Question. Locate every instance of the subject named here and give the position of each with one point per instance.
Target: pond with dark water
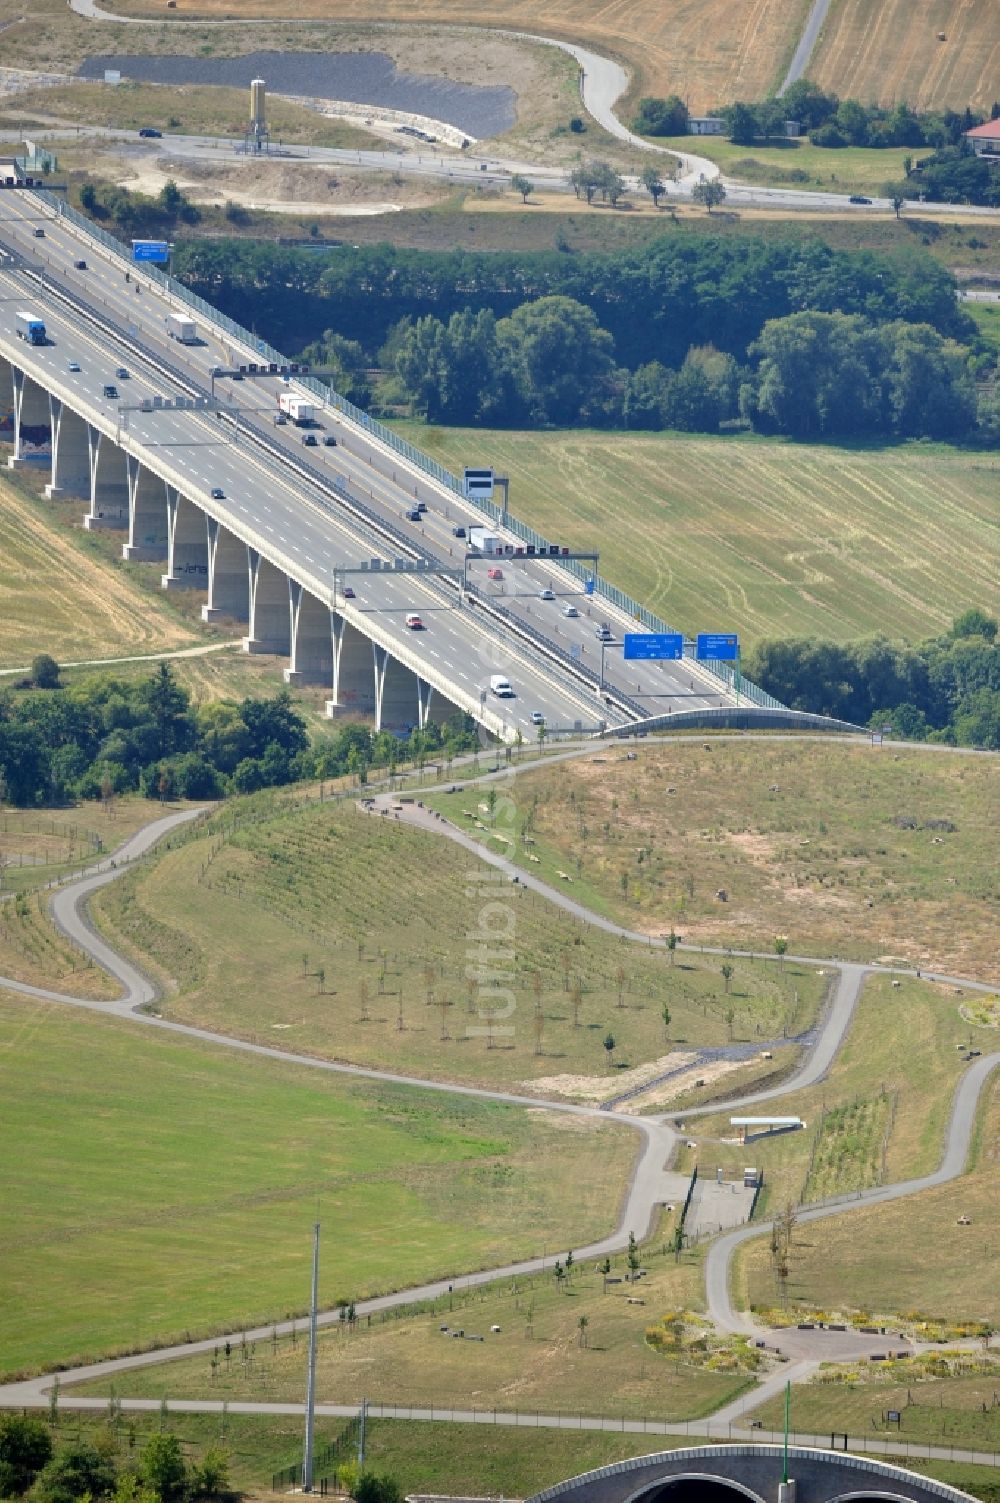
(366, 78)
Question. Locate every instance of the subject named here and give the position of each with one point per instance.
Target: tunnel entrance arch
(697, 1487)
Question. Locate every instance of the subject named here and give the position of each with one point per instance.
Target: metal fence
(407, 451)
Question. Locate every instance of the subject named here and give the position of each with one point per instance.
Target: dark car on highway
(150, 133)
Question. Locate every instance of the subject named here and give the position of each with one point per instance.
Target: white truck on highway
(182, 328)
(30, 327)
(500, 686)
(298, 409)
(487, 542)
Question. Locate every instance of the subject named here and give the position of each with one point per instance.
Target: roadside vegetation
(190, 110)
(194, 1241)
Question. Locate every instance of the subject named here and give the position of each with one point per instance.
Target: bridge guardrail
(401, 446)
(551, 649)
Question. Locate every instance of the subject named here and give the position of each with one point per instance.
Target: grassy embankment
(704, 49)
(429, 1457)
(955, 1411)
(909, 1256)
(62, 595)
(782, 539)
(162, 1187)
(809, 839)
(241, 923)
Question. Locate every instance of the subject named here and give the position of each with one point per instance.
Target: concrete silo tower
(257, 136)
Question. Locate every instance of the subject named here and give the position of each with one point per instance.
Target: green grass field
(536, 1361)
(758, 536)
(162, 1188)
(987, 317)
(850, 169)
(809, 839)
(240, 923)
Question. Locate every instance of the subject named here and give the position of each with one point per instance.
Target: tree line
(655, 301)
(808, 376)
(945, 689)
(951, 174)
(104, 736)
(31, 1465)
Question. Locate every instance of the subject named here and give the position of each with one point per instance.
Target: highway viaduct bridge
(729, 1473)
(214, 492)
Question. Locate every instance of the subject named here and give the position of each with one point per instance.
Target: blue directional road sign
(654, 644)
(588, 587)
(718, 646)
(150, 250)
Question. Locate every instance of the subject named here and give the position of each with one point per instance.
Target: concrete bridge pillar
(270, 613)
(396, 698)
(425, 695)
(228, 576)
(70, 451)
(108, 483)
(312, 638)
(353, 683)
(187, 544)
(6, 399)
(32, 422)
(148, 529)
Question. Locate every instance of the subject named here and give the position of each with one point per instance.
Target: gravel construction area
(367, 78)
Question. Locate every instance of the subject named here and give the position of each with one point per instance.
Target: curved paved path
(646, 1189)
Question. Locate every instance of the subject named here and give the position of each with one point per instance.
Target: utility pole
(362, 1423)
(307, 1460)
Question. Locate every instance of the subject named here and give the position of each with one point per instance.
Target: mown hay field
(58, 596)
(892, 51)
(757, 536)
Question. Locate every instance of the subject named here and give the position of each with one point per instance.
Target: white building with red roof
(984, 139)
